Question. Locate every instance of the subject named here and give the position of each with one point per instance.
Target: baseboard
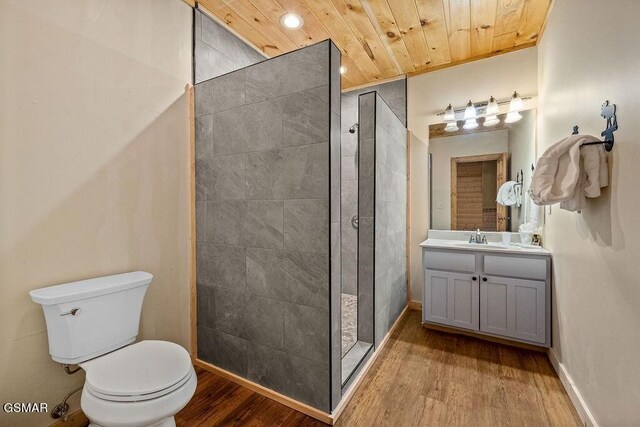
(576, 398)
(75, 419)
(414, 305)
(267, 392)
(365, 369)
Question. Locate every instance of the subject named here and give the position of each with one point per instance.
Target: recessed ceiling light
(291, 21)
(343, 69)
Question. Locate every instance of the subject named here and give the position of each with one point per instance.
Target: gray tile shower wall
(390, 295)
(217, 51)
(382, 214)
(365, 208)
(395, 94)
(265, 221)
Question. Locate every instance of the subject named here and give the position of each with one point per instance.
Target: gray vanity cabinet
(453, 299)
(499, 294)
(513, 308)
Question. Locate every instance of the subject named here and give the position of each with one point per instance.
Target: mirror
(468, 167)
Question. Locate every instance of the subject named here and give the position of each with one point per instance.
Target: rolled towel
(507, 194)
(535, 214)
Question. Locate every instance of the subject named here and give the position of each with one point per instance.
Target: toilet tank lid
(74, 291)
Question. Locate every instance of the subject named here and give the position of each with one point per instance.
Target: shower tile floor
(349, 322)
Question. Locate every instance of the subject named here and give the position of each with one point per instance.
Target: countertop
(463, 245)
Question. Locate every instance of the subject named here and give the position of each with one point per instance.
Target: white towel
(507, 194)
(535, 213)
(567, 173)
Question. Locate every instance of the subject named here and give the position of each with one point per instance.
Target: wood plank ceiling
(382, 39)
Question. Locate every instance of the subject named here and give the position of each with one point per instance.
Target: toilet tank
(89, 318)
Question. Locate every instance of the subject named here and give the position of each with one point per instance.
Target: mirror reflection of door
(475, 181)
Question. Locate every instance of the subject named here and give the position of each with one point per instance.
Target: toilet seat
(143, 371)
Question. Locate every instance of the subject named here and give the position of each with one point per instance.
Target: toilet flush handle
(73, 312)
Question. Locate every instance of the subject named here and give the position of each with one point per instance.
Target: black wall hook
(608, 112)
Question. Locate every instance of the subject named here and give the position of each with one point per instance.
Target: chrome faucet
(478, 238)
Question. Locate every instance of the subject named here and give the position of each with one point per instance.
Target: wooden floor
(220, 402)
(422, 378)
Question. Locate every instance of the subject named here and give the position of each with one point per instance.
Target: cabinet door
(451, 299)
(513, 308)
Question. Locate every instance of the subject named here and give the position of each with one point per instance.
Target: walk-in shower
(277, 226)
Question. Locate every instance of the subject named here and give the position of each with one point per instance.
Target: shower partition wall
(382, 204)
(394, 93)
(268, 223)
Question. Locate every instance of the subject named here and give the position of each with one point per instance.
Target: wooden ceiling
(382, 39)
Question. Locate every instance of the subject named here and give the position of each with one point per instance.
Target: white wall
(589, 53)
(93, 170)
(442, 150)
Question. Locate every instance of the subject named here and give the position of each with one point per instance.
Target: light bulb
(343, 69)
(516, 103)
(470, 124)
(492, 107)
(449, 115)
(491, 121)
(451, 127)
(512, 117)
(291, 21)
(470, 111)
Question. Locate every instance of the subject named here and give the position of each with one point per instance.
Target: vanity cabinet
(453, 299)
(513, 308)
(497, 294)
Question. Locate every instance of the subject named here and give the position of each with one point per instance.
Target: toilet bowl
(144, 384)
(93, 323)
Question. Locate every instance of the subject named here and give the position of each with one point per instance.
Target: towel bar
(608, 113)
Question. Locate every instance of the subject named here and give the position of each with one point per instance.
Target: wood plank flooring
(422, 378)
(432, 378)
(220, 402)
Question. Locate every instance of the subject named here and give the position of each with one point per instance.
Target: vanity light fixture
(515, 106)
(291, 21)
(491, 115)
(343, 69)
(449, 115)
(470, 117)
(451, 127)
(450, 119)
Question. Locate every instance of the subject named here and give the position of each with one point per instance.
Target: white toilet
(91, 323)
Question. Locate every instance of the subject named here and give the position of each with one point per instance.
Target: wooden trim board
(299, 406)
(193, 315)
(453, 330)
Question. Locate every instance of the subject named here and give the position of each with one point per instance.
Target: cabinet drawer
(527, 268)
(464, 262)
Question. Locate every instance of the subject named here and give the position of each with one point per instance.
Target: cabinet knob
(484, 279)
(474, 278)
